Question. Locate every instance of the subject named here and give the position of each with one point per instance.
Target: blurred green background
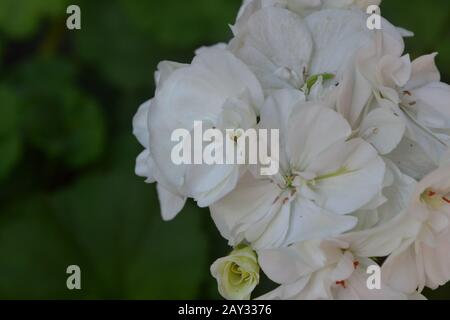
(68, 193)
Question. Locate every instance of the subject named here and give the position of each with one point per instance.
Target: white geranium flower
(323, 177)
(359, 124)
(287, 51)
(171, 200)
(277, 45)
(237, 274)
(423, 259)
(354, 100)
(318, 269)
(218, 89)
(414, 93)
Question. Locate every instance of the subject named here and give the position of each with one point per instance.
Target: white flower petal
(309, 221)
(338, 35)
(433, 104)
(424, 71)
(411, 158)
(145, 166)
(383, 129)
(165, 69)
(140, 124)
(360, 177)
(170, 202)
(275, 43)
(353, 95)
(209, 183)
(251, 198)
(394, 71)
(310, 133)
(195, 93)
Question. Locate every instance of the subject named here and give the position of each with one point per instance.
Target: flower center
(434, 199)
(407, 100)
(235, 135)
(288, 186)
(343, 283)
(289, 181)
(238, 275)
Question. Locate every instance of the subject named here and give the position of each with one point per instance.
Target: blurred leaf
(123, 55)
(9, 104)
(172, 261)
(129, 38)
(20, 18)
(442, 292)
(59, 120)
(105, 225)
(184, 23)
(1, 52)
(429, 20)
(34, 253)
(44, 76)
(10, 141)
(71, 129)
(10, 151)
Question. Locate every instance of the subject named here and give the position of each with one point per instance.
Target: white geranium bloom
(277, 45)
(423, 259)
(287, 51)
(323, 177)
(359, 125)
(218, 89)
(171, 200)
(414, 93)
(317, 269)
(379, 126)
(426, 103)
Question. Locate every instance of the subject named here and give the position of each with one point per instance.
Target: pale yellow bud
(237, 274)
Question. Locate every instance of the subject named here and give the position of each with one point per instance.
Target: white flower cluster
(364, 174)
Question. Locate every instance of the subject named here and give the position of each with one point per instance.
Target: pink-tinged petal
(424, 71)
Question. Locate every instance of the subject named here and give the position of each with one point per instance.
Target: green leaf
(1, 53)
(35, 254)
(21, 18)
(184, 23)
(172, 261)
(10, 151)
(10, 141)
(109, 225)
(429, 20)
(134, 253)
(60, 120)
(125, 42)
(9, 104)
(104, 42)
